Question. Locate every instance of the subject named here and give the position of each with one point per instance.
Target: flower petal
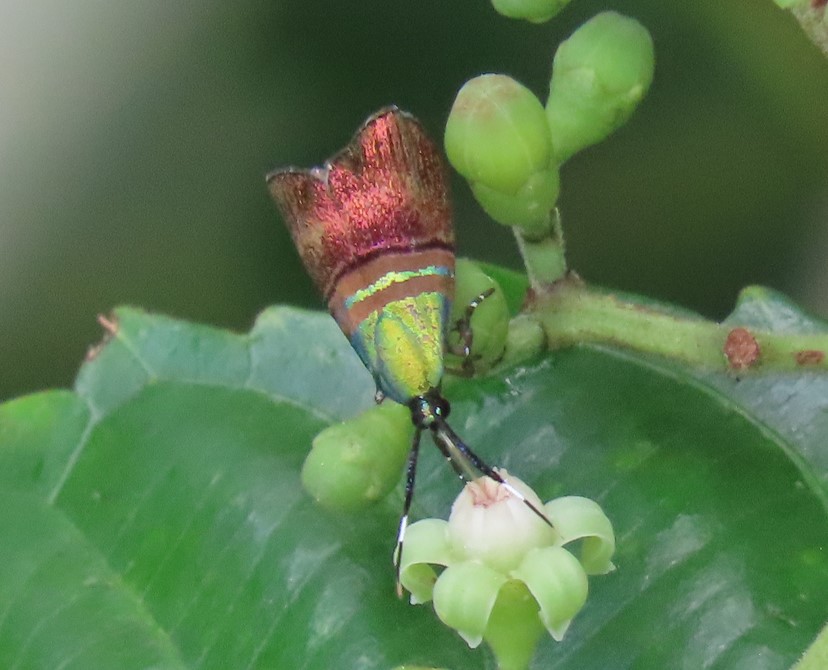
(514, 627)
(559, 584)
(425, 543)
(578, 518)
(464, 596)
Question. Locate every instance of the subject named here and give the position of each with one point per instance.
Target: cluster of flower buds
(509, 146)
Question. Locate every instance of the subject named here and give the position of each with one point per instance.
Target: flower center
(486, 492)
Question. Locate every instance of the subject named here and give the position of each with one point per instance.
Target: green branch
(571, 312)
(544, 255)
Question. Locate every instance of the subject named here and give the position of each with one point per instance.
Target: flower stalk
(544, 255)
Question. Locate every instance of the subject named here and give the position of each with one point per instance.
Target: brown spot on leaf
(816, 4)
(741, 349)
(110, 326)
(108, 323)
(809, 357)
(93, 351)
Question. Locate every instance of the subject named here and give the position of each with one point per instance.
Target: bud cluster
(509, 146)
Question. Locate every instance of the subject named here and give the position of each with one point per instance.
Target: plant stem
(543, 254)
(572, 312)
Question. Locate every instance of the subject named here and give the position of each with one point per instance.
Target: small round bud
(497, 134)
(525, 338)
(356, 463)
(489, 324)
(599, 76)
(536, 11)
(529, 208)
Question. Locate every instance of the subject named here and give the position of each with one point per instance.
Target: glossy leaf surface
(154, 517)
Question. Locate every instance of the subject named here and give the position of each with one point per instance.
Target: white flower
(499, 556)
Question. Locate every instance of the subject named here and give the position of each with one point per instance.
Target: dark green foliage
(155, 517)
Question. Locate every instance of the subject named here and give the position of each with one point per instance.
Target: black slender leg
(464, 329)
(410, 474)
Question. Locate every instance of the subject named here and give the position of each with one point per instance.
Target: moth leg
(464, 329)
(410, 473)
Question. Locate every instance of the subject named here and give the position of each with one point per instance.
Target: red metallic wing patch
(384, 192)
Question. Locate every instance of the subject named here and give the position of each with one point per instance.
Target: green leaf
(793, 405)
(63, 606)
(154, 517)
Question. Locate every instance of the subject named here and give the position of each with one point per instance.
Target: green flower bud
(507, 574)
(358, 462)
(525, 338)
(529, 208)
(598, 78)
(489, 322)
(536, 11)
(497, 134)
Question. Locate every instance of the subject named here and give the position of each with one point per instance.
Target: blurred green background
(134, 139)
